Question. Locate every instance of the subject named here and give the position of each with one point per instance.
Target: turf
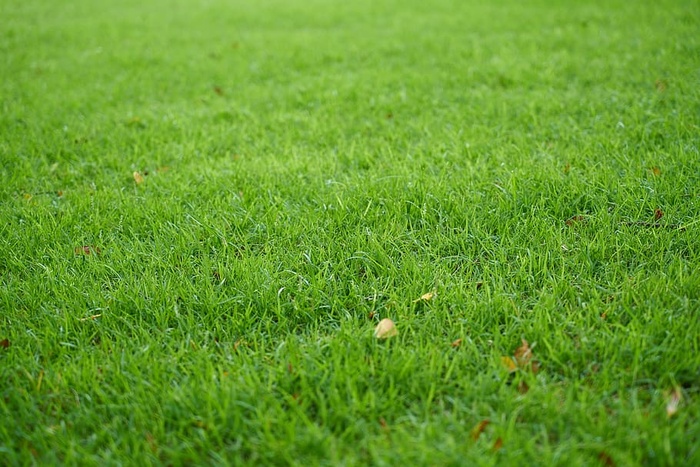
(206, 208)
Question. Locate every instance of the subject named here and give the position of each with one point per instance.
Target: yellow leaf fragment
(509, 364)
(425, 297)
(386, 328)
(138, 178)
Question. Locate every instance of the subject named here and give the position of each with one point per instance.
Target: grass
(311, 167)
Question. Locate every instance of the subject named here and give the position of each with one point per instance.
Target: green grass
(311, 167)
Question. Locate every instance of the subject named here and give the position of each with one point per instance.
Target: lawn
(207, 207)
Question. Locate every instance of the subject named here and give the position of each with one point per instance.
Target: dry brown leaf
(498, 444)
(479, 428)
(661, 85)
(456, 343)
(138, 178)
(522, 359)
(656, 171)
(87, 250)
(523, 354)
(606, 460)
(658, 214)
(672, 402)
(385, 329)
(5, 343)
(575, 220)
(523, 388)
(152, 443)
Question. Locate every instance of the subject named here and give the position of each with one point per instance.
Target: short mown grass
(307, 168)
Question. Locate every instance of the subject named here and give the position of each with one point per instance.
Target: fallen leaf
(456, 343)
(661, 85)
(383, 423)
(479, 428)
(138, 178)
(218, 91)
(535, 367)
(200, 424)
(40, 379)
(151, 440)
(87, 250)
(498, 444)
(658, 214)
(91, 317)
(575, 220)
(386, 328)
(523, 354)
(523, 388)
(425, 297)
(673, 400)
(656, 171)
(522, 359)
(509, 364)
(606, 460)
(5, 343)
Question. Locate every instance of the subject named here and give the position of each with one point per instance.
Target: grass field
(206, 208)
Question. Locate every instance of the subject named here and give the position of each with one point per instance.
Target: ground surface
(207, 206)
